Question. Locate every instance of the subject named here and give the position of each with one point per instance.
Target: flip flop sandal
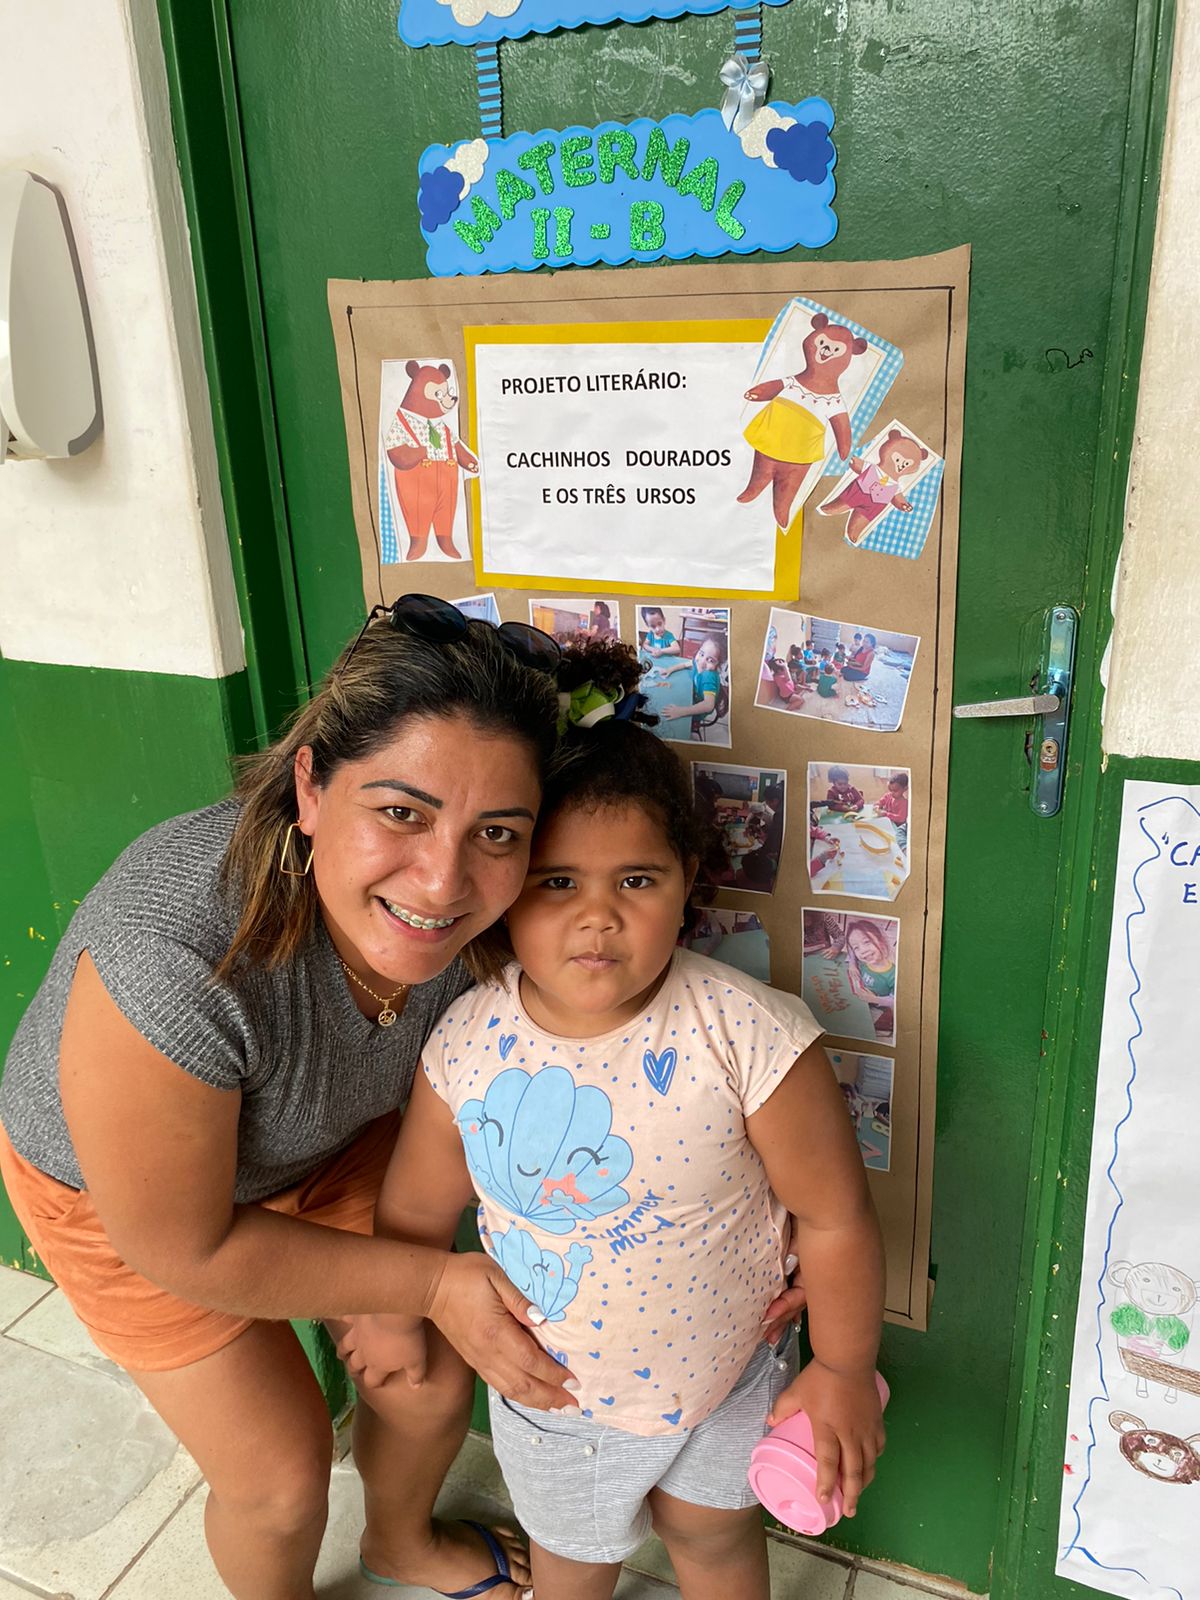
(502, 1574)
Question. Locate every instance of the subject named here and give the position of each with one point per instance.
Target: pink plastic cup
(783, 1475)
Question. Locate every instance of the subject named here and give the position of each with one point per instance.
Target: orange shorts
(133, 1321)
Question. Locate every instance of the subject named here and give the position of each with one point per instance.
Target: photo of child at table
(850, 971)
(836, 671)
(685, 655)
(575, 616)
(858, 830)
(867, 1086)
(741, 813)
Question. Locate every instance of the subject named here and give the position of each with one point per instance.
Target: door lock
(1052, 704)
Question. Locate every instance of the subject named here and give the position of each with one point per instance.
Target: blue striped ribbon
(747, 33)
(487, 83)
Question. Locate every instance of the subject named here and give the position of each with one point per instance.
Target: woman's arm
(807, 1145)
(158, 1150)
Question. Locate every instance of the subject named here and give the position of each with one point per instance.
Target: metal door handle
(1036, 705)
(1053, 705)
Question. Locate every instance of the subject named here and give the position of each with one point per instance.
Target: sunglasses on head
(424, 616)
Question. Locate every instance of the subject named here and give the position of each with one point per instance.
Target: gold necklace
(387, 1016)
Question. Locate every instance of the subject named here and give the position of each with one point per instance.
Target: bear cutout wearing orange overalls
(426, 456)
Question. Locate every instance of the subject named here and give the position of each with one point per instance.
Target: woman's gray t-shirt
(312, 1070)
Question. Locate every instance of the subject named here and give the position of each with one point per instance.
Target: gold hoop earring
(293, 872)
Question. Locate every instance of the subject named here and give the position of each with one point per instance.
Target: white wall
(1153, 701)
(118, 557)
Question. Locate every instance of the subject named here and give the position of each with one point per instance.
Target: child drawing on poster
(878, 497)
(815, 411)
(1153, 1323)
(1155, 1454)
(685, 653)
(421, 461)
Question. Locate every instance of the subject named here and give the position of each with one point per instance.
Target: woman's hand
(847, 1425)
(478, 1308)
(376, 1348)
(791, 1300)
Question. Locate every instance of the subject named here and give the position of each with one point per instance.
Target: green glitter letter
(536, 159)
(575, 157)
(672, 158)
(702, 182)
(510, 189)
(617, 148)
(645, 225)
(725, 217)
(483, 230)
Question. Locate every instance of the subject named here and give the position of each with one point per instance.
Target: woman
(858, 668)
(215, 1064)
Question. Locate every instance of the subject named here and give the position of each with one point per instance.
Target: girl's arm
(158, 1150)
(813, 1163)
(700, 708)
(674, 666)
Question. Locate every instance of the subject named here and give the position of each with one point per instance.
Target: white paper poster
(1130, 1522)
(619, 464)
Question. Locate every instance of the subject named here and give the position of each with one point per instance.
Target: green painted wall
(92, 758)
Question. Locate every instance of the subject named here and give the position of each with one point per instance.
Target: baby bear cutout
(425, 456)
(876, 487)
(793, 430)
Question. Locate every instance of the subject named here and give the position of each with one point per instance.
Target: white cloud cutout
(754, 134)
(469, 161)
(470, 13)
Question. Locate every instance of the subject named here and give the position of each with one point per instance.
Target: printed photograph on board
(887, 499)
(576, 617)
(819, 380)
(867, 1085)
(844, 672)
(479, 607)
(737, 938)
(422, 459)
(858, 830)
(741, 815)
(850, 973)
(685, 655)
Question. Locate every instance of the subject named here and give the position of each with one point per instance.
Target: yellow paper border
(747, 330)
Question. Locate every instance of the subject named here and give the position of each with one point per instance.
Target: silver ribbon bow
(745, 91)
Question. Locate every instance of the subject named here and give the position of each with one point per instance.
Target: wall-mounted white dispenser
(49, 383)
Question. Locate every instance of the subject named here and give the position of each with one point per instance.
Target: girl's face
(895, 787)
(864, 946)
(596, 923)
(708, 657)
(419, 847)
(658, 626)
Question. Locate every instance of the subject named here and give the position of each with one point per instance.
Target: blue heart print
(493, 1022)
(672, 1416)
(597, 1322)
(608, 1399)
(507, 1040)
(660, 1069)
(641, 1372)
(595, 1354)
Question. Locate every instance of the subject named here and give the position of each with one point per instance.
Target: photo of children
(836, 671)
(883, 507)
(479, 607)
(737, 938)
(685, 652)
(867, 1084)
(850, 966)
(858, 830)
(421, 461)
(741, 813)
(576, 617)
(819, 380)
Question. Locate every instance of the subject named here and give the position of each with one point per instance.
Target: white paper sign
(620, 464)
(1130, 1522)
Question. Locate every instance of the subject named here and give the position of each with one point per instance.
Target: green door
(1028, 131)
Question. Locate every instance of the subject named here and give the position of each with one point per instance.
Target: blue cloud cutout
(543, 1148)
(540, 1274)
(438, 195)
(804, 150)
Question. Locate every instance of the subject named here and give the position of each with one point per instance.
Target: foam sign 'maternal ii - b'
(683, 186)
(485, 21)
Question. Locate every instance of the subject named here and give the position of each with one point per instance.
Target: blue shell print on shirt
(541, 1275)
(542, 1147)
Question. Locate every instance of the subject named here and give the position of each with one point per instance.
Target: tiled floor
(98, 1502)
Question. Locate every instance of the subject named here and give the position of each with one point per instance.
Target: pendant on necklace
(386, 1017)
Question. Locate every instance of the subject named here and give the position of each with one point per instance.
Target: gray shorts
(579, 1487)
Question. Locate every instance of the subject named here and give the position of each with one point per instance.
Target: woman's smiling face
(420, 846)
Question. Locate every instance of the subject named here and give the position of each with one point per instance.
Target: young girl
(705, 686)
(638, 1121)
